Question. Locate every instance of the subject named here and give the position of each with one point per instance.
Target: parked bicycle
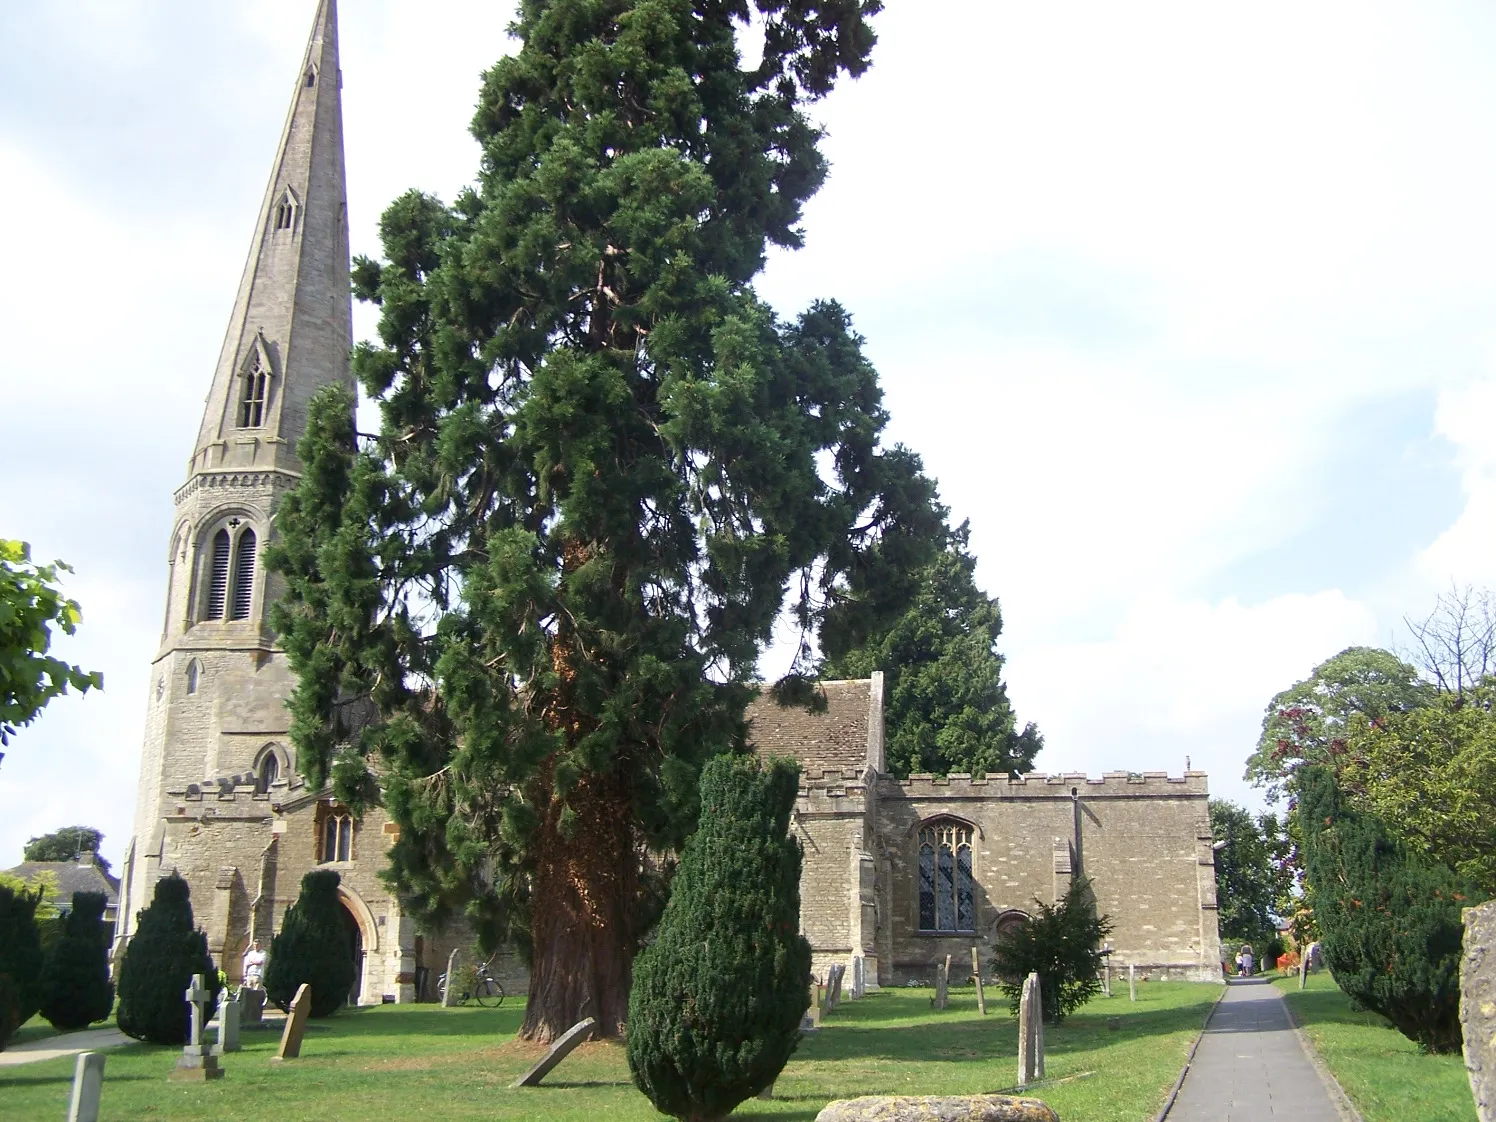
(485, 989)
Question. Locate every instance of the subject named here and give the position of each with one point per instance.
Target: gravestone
(197, 1063)
(976, 976)
(301, 1008)
(810, 1020)
(449, 995)
(228, 1025)
(251, 1007)
(942, 996)
(562, 1048)
(834, 986)
(1478, 1006)
(1132, 982)
(859, 981)
(88, 1085)
(1303, 967)
(1030, 1032)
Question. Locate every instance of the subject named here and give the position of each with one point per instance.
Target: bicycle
(487, 991)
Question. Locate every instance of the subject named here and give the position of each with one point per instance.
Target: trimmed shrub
(313, 947)
(1062, 943)
(20, 959)
(76, 990)
(1389, 917)
(158, 964)
(714, 1013)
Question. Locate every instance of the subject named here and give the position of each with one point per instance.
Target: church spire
(291, 330)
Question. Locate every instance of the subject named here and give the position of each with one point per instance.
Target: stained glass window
(947, 899)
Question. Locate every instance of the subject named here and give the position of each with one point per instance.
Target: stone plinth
(1478, 1006)
(934, 1108)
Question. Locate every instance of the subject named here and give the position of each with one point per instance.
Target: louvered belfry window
(252, 403)
(218, 578)
(946, 899)
(244, 575)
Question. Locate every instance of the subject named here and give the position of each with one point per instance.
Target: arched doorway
(354, 937)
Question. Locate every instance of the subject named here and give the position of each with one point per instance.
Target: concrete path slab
(64, 1044)
(1251, 1065)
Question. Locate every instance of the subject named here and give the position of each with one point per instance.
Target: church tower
(216, 716)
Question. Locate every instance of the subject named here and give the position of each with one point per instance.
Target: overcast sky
(1189, 307)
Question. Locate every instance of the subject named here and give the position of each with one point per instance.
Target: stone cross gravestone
(976, 976)
(197, 1062)
(1478, 1006)
(942, 996)
(1132, 982)
(228, 1025)
(1030, 1032)
(562, 1048)
(301, 1008)
(88, 1085)
(449, 995)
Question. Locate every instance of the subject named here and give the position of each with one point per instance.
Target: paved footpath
(64, 1044)
(1251, 1067)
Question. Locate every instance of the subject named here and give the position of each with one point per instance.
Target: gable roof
(71, 877)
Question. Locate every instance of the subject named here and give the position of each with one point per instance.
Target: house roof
(834, 739)
(82, 875)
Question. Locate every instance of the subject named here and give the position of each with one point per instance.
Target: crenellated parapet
(1039, 784)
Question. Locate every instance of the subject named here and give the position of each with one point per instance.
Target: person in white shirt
(254, 965)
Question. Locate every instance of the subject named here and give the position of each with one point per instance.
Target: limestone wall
(1478, 1006)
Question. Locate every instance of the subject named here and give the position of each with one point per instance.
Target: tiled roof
(834, 739)
(71, 877)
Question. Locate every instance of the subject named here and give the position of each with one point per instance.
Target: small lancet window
(218, 578)
(311, 76)
(252, 399)
(194, 673)
(946, 899)
(337, 838)
(285, 212)
(269, 771)
(244, 575)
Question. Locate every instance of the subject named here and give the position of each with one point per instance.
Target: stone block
(563, 1047)
(936, 1108)
(1478, 1006)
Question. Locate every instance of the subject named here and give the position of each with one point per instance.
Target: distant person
(254, 965)
(1246, 960)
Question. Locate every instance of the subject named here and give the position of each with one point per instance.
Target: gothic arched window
(244, 575)
(946, 898)
(252, 397)
(194, 674)
(337, 837)
(218, 576)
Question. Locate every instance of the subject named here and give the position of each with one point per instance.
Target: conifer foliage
(312, 948)
(159, 962)
(76, 990)
(543, 586)
(718, 996)
(1389, 917)
(1062, 943)
(20, 958)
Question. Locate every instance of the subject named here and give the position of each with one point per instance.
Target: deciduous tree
(67, 844)
(534, 602)
(1253, 878)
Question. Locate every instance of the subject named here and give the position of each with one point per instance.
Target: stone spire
(291, 330)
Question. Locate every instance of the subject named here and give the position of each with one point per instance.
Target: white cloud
(1466, 552)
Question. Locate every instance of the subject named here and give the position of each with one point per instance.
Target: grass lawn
(1382, 1071)
(421, 1061)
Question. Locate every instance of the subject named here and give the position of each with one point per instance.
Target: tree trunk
(581, 905)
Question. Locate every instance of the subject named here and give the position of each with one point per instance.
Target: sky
(1190, 308)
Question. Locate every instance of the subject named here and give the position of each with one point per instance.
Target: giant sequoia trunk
(585, 889)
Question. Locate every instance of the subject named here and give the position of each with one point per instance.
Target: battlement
(1039, 784)
(235, 788)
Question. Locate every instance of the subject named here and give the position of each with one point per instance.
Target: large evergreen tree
(544, 585)
(76, 990)
(312, 947)
(924, 622)
(718, 995)
(159, 962)
(20, 958)
(1389, 917)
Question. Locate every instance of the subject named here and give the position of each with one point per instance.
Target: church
(897, 873)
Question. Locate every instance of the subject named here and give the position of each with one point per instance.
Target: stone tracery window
(252, 394)
(337, 837)
(947, 901)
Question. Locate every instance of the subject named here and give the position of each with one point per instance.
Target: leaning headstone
(942, 992)
(936, 1108)
(449, 995)
(976, 976)
(301, 1008)
(228, 1025)
(834, 986)
(197, 1062)
(562, 1048)
(88, 1085)
(1478, 1006)
(251, 1007)
(1030, 1032)
(1132, 982)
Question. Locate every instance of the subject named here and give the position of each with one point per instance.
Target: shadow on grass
(1331, 1007)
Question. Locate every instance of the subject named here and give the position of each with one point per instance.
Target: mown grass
(1386, 1075)
(421, 1061)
